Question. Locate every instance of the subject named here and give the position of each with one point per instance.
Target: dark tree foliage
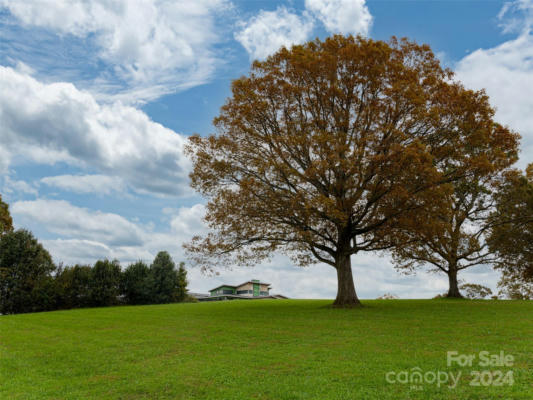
(181, 292)
(26, 268)
(6, 223)
(73, 287)
(135, 285)
(163, 279)
(105, 283)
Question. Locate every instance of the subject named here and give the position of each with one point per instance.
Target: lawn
(265, 349)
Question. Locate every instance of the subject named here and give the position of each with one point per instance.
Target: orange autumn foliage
(325, 149)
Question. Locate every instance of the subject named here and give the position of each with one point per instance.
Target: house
(253, 289)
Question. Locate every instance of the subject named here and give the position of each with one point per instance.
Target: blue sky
(97, 99)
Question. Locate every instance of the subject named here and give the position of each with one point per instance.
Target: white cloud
(49, 123)
(506, 72)
(5, 159)
(87, 235)
(80, 251)
(342, 16)
(266, 32)
(61, 217)
(11, 186)
(99, 184)
(188, 221)
(516, 16)
(77, 251)
(154, 46)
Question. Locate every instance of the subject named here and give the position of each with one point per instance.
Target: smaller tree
(6, 222)
(452, 237)
(26, 268)
(163, 279)
(449, 231)
(181, 293)
(511, 236)
(105, 283)
(136, 284)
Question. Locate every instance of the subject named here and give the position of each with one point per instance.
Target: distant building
(249, 290)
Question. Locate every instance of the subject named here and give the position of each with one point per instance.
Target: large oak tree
(323, 150)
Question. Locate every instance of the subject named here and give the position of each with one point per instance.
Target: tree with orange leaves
(324, 150)
(453, 235)
(6, 222)
(511, 235)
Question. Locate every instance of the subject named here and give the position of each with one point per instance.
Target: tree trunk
(346, 296)
(453, 291)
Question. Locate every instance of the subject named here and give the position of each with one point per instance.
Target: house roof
(236, 286)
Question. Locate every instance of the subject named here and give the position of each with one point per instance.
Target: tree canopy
(511, 236)
(26, 283)
(453, 236)
(136, 283)
(324, 149)
(104, 283)
(182, 283)
(163, 278)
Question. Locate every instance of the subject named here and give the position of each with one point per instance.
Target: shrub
(388, 296)
(475, 291)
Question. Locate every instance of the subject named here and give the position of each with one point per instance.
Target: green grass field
(264, 349)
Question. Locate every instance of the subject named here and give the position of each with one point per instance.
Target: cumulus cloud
(61, 217)
(506, 71)
(13, 186)
(49, 123)
(266, 32)
(80, 251)
(86, 235)
(100, 184)
(342, 16)
(188, 221)
(153, 46)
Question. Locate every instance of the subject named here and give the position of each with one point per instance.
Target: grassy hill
(264, 349)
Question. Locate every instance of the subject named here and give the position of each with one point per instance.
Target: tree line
(31, 282)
